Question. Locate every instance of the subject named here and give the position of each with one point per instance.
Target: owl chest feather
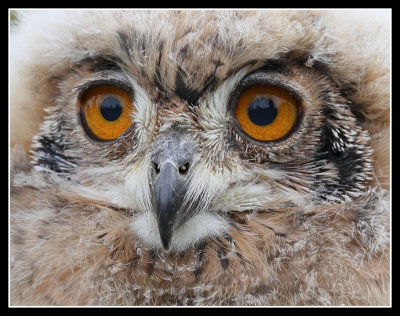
(282, 257)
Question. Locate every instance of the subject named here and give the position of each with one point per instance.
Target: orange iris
(107, 112)
(266, 112)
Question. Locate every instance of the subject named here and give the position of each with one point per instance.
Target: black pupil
(111, 108)
(262, 111)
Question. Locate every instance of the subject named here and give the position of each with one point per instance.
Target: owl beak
(173, 156)
(169, 191)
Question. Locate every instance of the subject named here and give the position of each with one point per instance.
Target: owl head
(185, 118)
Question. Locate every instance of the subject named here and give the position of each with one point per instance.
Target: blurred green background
(13, 16)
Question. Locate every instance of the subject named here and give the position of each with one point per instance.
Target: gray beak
(172, 159)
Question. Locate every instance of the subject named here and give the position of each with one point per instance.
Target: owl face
(184, 123)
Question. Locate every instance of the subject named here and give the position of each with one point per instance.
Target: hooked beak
(172, 159)
(169, 192)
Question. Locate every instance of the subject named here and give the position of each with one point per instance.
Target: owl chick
(195, 157)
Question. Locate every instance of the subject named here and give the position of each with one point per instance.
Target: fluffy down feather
(304, 223)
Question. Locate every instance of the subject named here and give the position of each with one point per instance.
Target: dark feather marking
(235, 226)
(221, 252)
(276, 65)
(347, 159)
(127, 212)
(221, 256)
(280, 234)
(133, 263)
(235, 219)
(157, 81)
(114, 253)
(125, 42)
(160, 52)
(152, 263)
(233, 243)
(192, 95)
(228, 238)
(183, 91)
(52, 155)
(100, 63)
(184, 52)
(238, 254)
(200, 257)
(101, 236)
(284, 235)
(157, 75)
(211, 80)
(260, 290)
(279, 65)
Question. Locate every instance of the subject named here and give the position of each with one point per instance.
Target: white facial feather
(197, 228)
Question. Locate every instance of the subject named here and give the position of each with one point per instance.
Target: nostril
(183, 169)
(157, 168)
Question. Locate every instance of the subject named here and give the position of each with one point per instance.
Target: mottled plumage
(301, 221)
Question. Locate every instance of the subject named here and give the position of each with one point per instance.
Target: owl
(200, 158)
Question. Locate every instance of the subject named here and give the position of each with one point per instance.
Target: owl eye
(266, 113)
(106, 112)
